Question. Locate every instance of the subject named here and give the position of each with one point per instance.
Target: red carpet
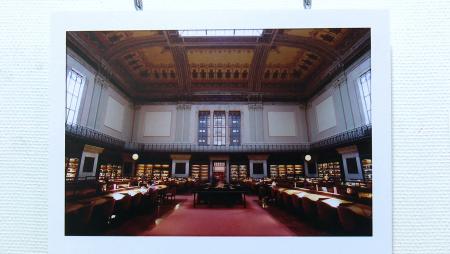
(185, 220)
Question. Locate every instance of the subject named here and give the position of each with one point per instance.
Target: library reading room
(218, 132)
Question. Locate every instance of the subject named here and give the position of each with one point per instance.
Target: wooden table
(75, 205)
(217, 193)
(360, 209)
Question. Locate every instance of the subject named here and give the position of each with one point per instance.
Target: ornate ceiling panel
(114, 37)
(331, 36)
(152, 64)
(219, 65)
(289, 64)
(280, 64)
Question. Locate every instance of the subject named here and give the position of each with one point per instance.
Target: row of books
(290, 171)
(329, 171)
(200, 172)
(153, 171)
(238, 172)
(110, 171)
(71, 168)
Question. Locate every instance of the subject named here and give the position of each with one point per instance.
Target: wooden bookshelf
(140, 170)
(332, 170)
(110, 171)
(367, 170)
(164, 171)
(298, 171)
(156, 171)
(290, 173)
(273, 171)
(282, 172)
(148, 171)
(195, 171)
(71, 168)
(238, 172)
(204, 172)
(234, 173)
(243, 172)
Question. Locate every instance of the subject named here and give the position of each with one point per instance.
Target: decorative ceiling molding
(285, 65)
(318, 80)
(257, 67)
(181, 64)
(259, 61)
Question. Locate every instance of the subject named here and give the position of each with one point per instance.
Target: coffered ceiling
(278, 65)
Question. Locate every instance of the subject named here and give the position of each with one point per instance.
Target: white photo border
(377, 20)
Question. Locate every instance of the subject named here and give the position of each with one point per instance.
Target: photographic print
(234, 134)
(219, 132)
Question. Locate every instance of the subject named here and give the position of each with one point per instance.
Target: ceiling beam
(315, 46)
(182, 69)
(259, 61)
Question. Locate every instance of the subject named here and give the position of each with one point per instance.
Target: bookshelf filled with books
(195, 171)
(367, 170)
(110, 171)
(289, 171)
(71, 168)
(153, 171)
(329, 171)
(238, 172)
(204, 172)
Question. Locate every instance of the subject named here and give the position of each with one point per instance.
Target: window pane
(74, 89)
(73, 104)
(235, 126)
(203, 125)
(70, 117)
(219, 128)
(364, 83)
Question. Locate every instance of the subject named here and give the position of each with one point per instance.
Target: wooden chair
(122, 207)
(328, 216)
(136, 202)
(77, 222)
(101, 214)
(354, 223)
(171, 193)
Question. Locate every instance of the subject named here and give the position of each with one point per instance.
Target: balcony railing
(192, 148)
(347, 137)
(90, 134)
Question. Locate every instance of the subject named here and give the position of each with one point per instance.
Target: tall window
(74, 90)
(235, 128)
(219, 128)
(364, 83)
(203, 126)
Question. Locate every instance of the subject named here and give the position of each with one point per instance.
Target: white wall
(254, 122)
(180, 123)
(290, 130)
(344, 94)
(96, 96)
(151, 113)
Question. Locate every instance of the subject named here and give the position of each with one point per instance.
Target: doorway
(219, 171)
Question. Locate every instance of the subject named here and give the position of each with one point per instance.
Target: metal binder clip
(138, 5)
(307, 4)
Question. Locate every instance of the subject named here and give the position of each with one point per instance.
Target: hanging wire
(307, 4)
(138, 5)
